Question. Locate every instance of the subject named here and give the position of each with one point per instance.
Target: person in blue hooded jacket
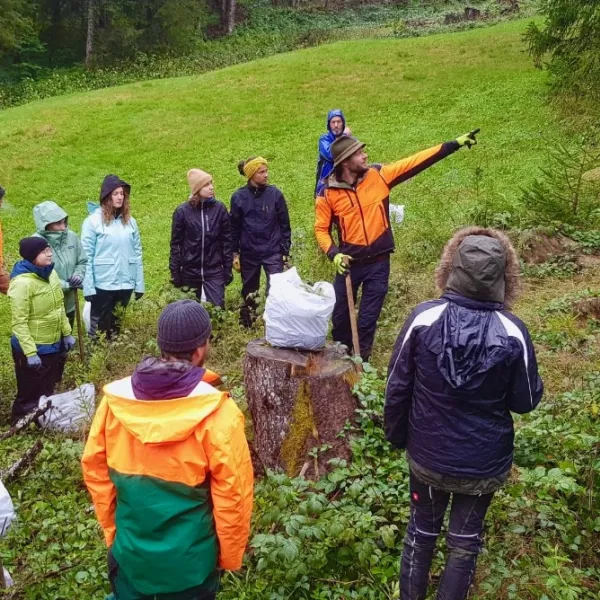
(462, 364)
(111, 240)
(336, 126)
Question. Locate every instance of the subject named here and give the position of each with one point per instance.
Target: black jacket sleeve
(284, 224)
(177, 239)
(236, 219)
(399, 389)
(527, 388)
(226, 240)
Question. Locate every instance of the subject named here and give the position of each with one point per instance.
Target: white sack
(7, 510)
(397, 213)
(297, 315)
(8, 579)
(70, 410)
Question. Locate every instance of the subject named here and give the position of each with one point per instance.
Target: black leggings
(102, 313)
(32, 384)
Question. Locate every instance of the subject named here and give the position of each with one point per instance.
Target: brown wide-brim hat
(344, 147)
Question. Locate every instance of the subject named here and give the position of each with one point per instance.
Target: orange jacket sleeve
(397, 172)
(323, 224)
(96, 477)
(231, 483)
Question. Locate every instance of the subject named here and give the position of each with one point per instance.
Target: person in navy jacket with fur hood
(461, 365)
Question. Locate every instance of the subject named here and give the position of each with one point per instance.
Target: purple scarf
(155, 379)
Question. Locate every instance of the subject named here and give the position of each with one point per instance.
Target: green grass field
(400, 96)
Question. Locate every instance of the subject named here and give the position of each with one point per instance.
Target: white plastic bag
(87, 311)
(297, 315)
(7, 578)
(397, 213)
(70, 410)
(7, 510)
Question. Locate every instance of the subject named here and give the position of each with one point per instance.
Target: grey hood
(480, 263)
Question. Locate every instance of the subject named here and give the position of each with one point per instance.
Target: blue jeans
(464, 540)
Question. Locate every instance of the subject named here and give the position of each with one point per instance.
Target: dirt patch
(537, 247)
(468, 14)
(589, 308)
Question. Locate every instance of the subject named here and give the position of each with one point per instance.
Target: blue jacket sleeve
(527, 388)
(236, 225)
(325, 148)
(137, 249)
(88, 241)
(284, 224)
(399, 389)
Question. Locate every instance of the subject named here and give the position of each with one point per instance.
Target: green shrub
(562, 194)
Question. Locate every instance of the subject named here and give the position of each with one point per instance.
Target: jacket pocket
(133, 267)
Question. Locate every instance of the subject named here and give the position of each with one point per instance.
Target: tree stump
(299, 401)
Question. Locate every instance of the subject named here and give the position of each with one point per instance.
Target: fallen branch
(22, 462)
(18, 589)
(26, 420)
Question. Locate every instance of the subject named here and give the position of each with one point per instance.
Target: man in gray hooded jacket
(462, 364)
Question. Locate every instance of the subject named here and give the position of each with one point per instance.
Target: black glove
(89, 298)
(176, 281)
(138, 295)
(76, 281)
(228, 277)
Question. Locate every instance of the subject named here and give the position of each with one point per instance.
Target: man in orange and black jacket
(355, 200)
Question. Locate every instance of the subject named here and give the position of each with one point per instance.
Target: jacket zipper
(202, 254)
(362, 216)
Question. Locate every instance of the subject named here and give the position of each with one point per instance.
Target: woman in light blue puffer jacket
(111, 240)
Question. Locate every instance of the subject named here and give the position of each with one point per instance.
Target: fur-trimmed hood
(512, 275)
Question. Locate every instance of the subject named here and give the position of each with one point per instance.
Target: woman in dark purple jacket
(461, 365)
(201, 256)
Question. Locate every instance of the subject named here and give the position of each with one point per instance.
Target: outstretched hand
(468, 139)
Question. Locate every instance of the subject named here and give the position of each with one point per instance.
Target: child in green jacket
(41, 330)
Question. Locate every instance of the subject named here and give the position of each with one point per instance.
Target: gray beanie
(183, 326)
(478, 269)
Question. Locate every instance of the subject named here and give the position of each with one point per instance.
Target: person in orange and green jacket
(168, 467)
(4, 278)
(356, 202)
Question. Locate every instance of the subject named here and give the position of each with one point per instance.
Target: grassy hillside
(399, 96)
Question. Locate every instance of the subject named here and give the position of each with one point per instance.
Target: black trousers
(251, 269)
(32, 384)
(102, 314)
(464, 540)
(374, 279)
(214, 290)
(123, 589)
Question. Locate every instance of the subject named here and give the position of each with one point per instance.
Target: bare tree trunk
(231, 5)
(91, 30)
